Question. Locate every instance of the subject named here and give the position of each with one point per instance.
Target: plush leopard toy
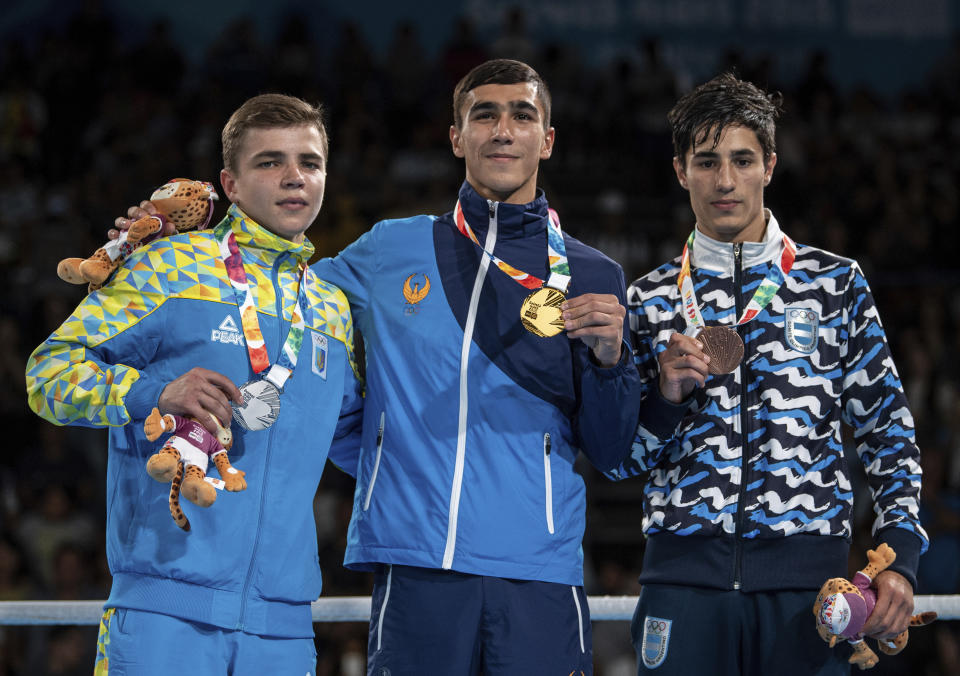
(183, 461)
(843, 607)
(185, 203)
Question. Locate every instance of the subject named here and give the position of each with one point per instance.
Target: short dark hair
(500, 71)
(723, 102)
(268, 111)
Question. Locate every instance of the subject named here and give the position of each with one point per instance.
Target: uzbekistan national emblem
(413, 292)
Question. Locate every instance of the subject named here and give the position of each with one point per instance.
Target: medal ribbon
(556, 254)
(259, 360)
(762, 296)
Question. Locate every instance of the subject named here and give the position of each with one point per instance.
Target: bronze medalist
(541, 313)
(724, 346)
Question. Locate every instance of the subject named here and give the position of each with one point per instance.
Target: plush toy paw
(233, 480)
(232, 477)
(879, 560)
(144, 227)
(195, 489)
(892, 646)
(154, 425)
(69, 270)
(98, 267)
(862, 656)
(162, 466)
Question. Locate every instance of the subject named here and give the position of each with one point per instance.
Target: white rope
(357, 609)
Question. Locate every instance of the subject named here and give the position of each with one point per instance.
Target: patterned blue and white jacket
(746, 485)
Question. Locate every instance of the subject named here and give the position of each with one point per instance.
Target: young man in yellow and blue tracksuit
(232, 595)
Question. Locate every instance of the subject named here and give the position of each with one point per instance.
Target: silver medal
(261, 405)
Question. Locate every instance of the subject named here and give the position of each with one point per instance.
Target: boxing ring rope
(357, 609)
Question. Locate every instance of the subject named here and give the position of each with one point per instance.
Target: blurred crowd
(88, 127)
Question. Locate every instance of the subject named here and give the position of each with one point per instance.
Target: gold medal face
(540, 312)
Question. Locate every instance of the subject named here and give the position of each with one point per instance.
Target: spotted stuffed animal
(843, 607)
(185, 203)
(183, 461)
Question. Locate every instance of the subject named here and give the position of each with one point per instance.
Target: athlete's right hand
(683, 367)
(145, 209)
(198, 393)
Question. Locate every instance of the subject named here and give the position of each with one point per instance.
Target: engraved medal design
(724, 346)
(540, 312)
(261, 405)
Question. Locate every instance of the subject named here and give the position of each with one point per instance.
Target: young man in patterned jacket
(747, 496)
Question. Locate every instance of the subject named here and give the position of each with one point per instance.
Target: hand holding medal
(722, 343)
(724, 347)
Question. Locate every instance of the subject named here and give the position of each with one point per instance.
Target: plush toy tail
(899, 642)
(176, 512)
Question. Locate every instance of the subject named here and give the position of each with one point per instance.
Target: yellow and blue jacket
(250, 560)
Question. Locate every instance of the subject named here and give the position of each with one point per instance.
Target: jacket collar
(514, 221)
(710, 254)
(260, 244)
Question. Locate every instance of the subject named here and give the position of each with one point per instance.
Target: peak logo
(227, 333)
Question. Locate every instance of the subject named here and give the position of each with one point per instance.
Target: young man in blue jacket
(233, 594)
(747, 496)
(467, 503)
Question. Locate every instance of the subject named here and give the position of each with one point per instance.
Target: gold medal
(541, 313)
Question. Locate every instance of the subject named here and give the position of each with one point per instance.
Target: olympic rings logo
(656, 626)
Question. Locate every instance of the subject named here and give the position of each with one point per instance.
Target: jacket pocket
(376, 464)
(548, 481)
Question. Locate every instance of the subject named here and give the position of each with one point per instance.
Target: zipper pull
(546, 443)
(736, 252)
(492, 208)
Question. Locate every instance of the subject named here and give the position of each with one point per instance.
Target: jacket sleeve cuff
(142, 396)
(610, 372)
(907, 546)
(659, 416)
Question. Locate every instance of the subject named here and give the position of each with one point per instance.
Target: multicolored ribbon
(556, 254)
(762, 296)
(259, 359)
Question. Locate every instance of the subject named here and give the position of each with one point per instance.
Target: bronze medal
(724, 346)
(541, 313)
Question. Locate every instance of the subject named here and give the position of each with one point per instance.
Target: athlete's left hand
(597, 320)
(891, 615)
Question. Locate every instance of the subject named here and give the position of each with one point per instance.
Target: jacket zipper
(742, 496)
(278, 292)
(548, 481)
(376, 463)
(454, 513)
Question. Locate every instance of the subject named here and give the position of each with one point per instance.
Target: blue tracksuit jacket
(472, 424)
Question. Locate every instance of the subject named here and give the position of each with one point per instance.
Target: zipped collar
(260, 244)
(514, 221)
(709, 254)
